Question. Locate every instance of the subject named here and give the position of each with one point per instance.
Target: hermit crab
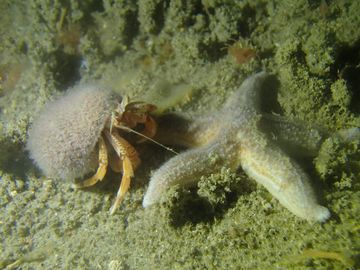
(85, 129)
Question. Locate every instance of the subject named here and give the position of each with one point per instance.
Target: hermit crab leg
(130, 161)
(101, 171)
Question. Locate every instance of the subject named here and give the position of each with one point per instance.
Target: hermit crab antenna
(148, 138)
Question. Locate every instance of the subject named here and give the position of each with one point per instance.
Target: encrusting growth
(62, 139)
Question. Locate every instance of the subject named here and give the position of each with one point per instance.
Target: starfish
(232, 137)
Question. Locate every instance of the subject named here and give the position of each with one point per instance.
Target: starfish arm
(283, 178)
(298, 138)
(249, 92)
(174, 129)
(186, 168)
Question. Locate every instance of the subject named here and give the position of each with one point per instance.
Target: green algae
(335, 158)
(228, 222)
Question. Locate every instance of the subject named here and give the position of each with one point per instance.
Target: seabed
(187, 56)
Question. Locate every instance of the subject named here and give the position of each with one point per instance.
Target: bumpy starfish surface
(231, 137)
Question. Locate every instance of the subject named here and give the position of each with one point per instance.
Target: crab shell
(62, 139)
